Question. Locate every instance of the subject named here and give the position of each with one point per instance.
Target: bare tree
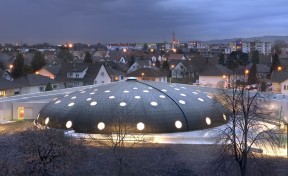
(48, 151)
(251, 128)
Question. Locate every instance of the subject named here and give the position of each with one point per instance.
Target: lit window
(140, 126)
(178, 124)
(224, 117)
(69, 124)
(208, 121)
(46, 120)
(101, 126)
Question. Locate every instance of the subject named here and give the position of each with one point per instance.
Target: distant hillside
(271, 39)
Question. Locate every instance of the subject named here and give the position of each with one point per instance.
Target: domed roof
(137, 106)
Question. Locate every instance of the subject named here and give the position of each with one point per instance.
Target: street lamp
(279, 68)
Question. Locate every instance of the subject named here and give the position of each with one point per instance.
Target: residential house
(140, 64)
(262, 70)
(148, 74)
(33, 83)
(9, 88)
(280, 82)
(215, 75)
(115, 75)
(81, 74)
(184, 69)
(49, 71)
(283, 57)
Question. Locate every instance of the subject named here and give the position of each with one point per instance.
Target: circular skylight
(92, 93)
(135, 88)
(70, 104)
(66, 95)
(107, 91)
(224, 117)
(88, 99)
(164, 90)
(162, 96)
(122, 104)
(73, 98)
(183, 95)
(209, 96)
(200, 99)
(83, 92)
(93, 103)
(57, 102)
(195, 93)
(126, 91)
(176, 89)
(181, 101)
(153, 103)
(111, 97)
(137, 97)
(146, 91)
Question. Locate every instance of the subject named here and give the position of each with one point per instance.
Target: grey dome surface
(136, 106)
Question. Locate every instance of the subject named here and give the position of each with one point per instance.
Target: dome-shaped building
(136, 106)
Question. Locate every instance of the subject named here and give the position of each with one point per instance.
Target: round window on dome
(178, 124)
(101, 126)
(68, 124)
(140, 126)
(46, 120)
(208, 121)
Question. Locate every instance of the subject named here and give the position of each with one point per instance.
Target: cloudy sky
(91, 21)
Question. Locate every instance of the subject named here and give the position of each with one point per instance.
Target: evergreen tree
(255, 57)
(221, 60)
(87, 58)
(131, 61)
(252, 77)
(263, 86)
(2, 66)
(145, 47)
(275, 62)
(166, 65)
(157, 63)
(48, 87)
(38, 61)
(18, 66)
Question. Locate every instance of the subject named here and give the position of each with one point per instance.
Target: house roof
(148, 72)
(113, 72)
(218, 70)
(279, 77)
(283, 55)
(176, 56)
(92, 72)
(189, 65)
(53, 69)
(5, 84)
(76, 67)
(34, 80)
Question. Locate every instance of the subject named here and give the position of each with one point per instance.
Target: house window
(77, 75)
(285, 87)
(122, 77)
(41, 89)
(2, 93)
(71, 74)
(181, 66)
(102, 74)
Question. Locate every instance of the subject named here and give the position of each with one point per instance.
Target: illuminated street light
(174, 50)
(224, 76)
(246, 72)
(124, 50)
(10, 66)
(152, 50)
(70, 45)
(142, 74)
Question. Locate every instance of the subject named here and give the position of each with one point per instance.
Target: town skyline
(130, 21)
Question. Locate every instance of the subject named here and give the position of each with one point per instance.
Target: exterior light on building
(124, 50)
(36, 72)
(246, 71)
(172, 66)
(70, 45)
(142, 73)
(279, 68)
(10, 66)
(152, 50)
(174, 50)
(224, 76)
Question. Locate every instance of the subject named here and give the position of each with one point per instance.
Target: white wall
(282, 87)
(102, 76)
(211, 80)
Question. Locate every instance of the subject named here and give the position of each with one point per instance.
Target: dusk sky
(92, 21)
